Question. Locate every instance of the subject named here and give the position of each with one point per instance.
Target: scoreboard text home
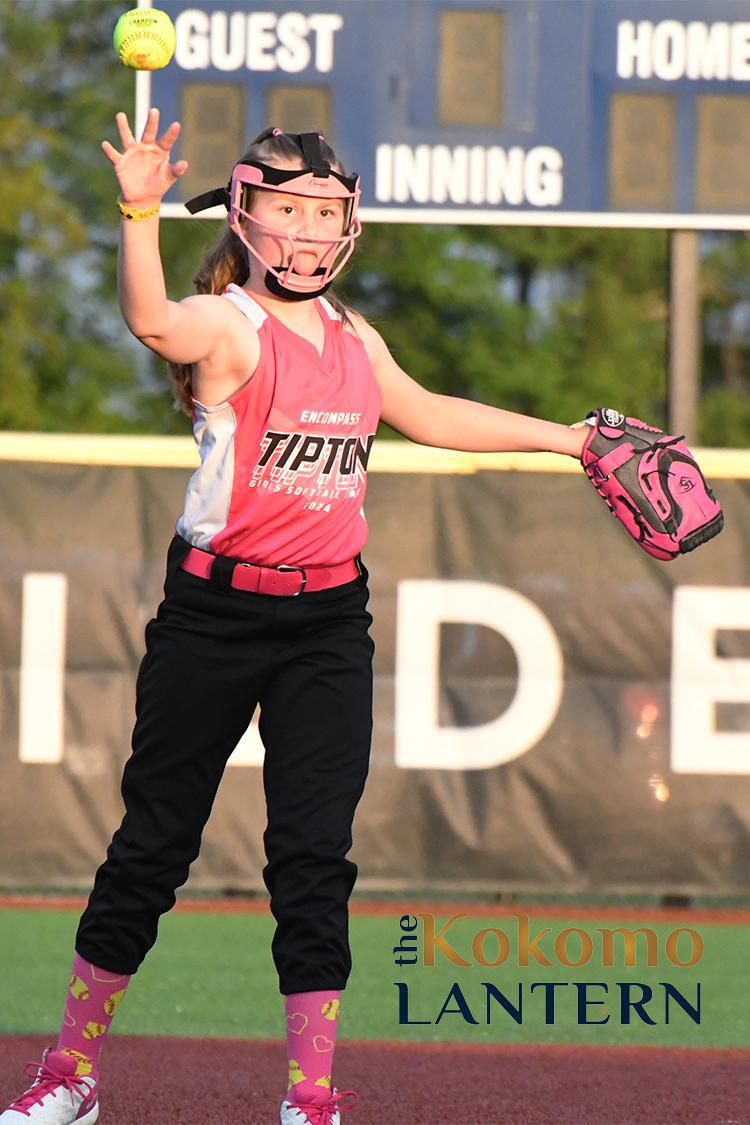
(591, 112)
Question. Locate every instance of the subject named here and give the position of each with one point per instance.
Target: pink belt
(283, 581)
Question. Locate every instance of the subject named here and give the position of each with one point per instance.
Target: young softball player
(265, 594)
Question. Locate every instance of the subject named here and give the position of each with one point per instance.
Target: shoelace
(47, 1079)
(323, 1114)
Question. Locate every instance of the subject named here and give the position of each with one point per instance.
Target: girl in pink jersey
(265, 594)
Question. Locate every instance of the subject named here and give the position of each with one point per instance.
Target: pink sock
(311, 1019)
(93, 996)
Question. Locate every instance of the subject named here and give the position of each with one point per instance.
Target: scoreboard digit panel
(723, 148)
(641, 151)
(592, 112)
(470, 67)
(216, 131)
(215, 124)
(298, 109)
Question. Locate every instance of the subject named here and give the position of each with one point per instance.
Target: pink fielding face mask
(316, 180)
(307, 184)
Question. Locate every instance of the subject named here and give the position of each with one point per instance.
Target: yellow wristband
(137, 213)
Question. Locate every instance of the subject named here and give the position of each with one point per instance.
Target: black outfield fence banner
(554, 710)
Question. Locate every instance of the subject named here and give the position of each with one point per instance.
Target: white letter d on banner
(421, 743)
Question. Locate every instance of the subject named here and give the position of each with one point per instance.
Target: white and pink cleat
(57, 1096)
(328, 1113)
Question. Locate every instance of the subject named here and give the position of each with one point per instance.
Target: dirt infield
(165, 1081)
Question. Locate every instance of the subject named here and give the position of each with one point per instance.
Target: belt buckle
(301, 570)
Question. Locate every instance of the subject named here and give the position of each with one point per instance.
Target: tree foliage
(725, 291)
(543, 320)
(68, 361)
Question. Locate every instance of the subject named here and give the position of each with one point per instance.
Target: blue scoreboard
(557, 112)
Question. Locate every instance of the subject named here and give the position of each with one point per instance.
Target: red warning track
(386, 908)
(167, 1081)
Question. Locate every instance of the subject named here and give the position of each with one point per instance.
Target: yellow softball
(93, 1030)
(145, 38)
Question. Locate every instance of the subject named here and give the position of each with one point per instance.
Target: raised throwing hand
(143, 169)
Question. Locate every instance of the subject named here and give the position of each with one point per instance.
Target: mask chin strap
(274, 286)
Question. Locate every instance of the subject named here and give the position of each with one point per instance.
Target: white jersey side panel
(209, 491)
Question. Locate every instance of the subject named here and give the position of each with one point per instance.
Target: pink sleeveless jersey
(284, 459)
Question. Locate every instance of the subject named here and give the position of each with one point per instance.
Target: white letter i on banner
(42, 679)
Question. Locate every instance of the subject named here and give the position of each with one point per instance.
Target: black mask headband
(309, 145)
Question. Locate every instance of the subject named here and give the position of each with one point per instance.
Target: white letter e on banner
(701, 679)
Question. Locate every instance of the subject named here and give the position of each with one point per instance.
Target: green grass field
(212, 975)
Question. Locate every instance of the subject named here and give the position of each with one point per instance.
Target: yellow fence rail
(387, 456)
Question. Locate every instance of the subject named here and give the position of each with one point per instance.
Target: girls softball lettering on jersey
(282, 481)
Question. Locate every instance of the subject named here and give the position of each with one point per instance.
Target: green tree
(68, 361)
(547, 321)
(725, 362)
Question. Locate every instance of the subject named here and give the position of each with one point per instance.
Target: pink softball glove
(652, 484)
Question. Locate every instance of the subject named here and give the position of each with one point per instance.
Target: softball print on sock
(84, 1065)
(93, 1030)
(296, 1073)
(330, 1010)
(78, 988)
(112, 1002)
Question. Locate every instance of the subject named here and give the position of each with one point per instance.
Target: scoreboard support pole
(684, 341)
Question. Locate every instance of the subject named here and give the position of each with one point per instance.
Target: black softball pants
(213, 654)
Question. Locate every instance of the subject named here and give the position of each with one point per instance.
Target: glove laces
(46, 1081)
(323, 1114)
